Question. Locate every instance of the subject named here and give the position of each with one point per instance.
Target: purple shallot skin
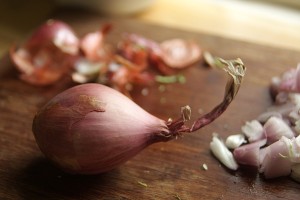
(96, 133)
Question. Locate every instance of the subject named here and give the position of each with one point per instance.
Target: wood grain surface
(171, 170)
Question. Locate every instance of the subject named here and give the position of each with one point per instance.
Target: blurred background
(267, 22)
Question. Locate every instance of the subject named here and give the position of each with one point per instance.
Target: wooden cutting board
(171, 170)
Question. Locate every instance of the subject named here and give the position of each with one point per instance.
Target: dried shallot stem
(236, 71)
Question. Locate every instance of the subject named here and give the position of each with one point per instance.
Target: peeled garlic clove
(221, 152)
(234, 141)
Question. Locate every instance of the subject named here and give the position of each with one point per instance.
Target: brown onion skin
(91, 128)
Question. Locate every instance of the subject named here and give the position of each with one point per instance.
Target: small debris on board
(204, 167)
(177, 197)
(162, 88)
(145, 91)
(142, 184)
(163, 100)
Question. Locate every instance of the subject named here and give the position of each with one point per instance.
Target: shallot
(92, 128)
(275, 128)
(249, 154)
(273, 141)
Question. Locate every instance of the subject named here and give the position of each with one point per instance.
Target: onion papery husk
(47, 55)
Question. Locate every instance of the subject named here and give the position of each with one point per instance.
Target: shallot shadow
(41, 180)
(7, 69)
(248, 172)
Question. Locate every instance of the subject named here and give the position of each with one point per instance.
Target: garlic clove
(234, 141)
(222, 153)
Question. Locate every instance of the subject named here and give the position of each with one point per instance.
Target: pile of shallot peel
(54, 51)
(92, 128)
(271, 142)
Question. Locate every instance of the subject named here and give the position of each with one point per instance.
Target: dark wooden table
(171, 170)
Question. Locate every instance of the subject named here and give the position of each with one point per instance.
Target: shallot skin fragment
(47, 55)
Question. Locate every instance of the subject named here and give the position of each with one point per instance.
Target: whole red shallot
(92, 128)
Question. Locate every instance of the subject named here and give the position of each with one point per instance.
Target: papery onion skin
(92, 44)
(91, 129)
(55, 32)
(47, 55)
(178, 53)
